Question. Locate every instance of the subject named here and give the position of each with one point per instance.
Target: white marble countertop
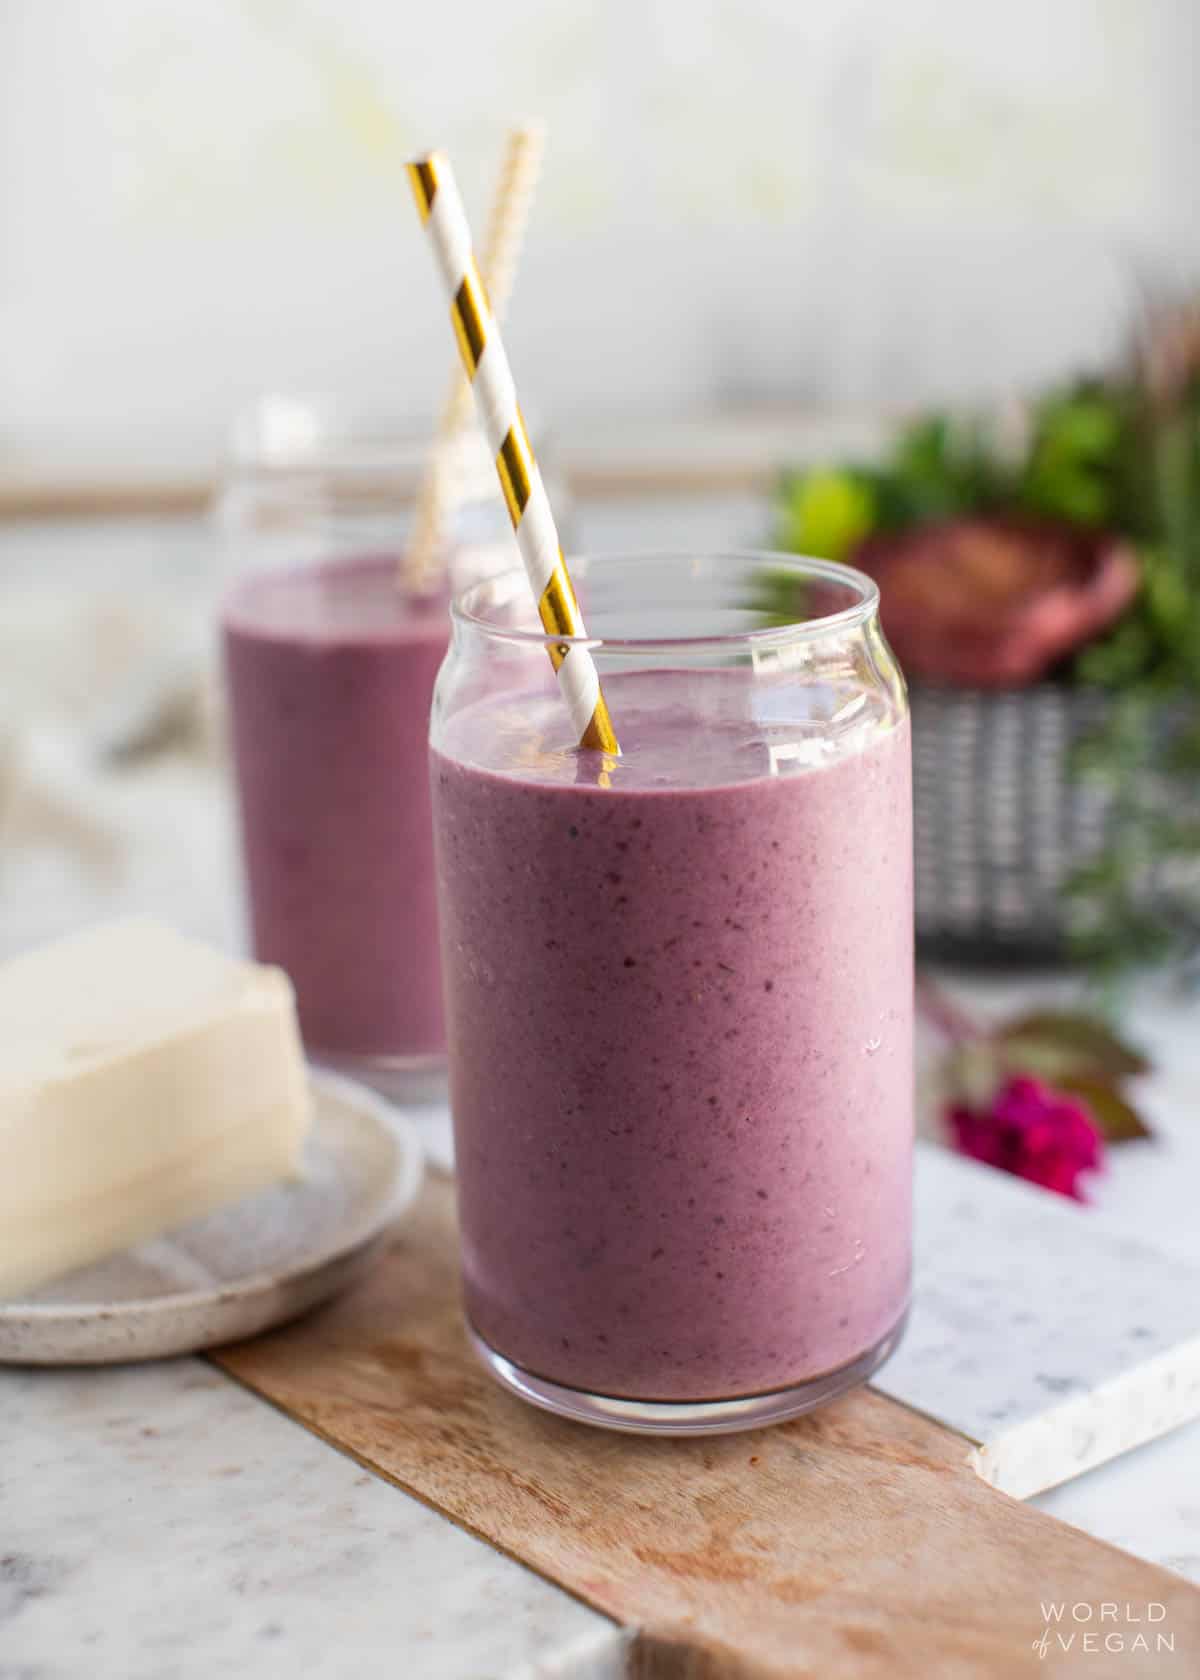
(1147, 1502)
(161, 1522)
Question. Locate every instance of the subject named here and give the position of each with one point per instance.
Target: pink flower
(1032, 1130)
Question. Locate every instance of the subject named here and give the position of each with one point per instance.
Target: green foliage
(1110, 1108)
(828, 514)
(939, 468)
(1068, 1051)
(1138, 902)
(1122, 455)
(1156, 502)
(1059, 1044)
(1070, 472)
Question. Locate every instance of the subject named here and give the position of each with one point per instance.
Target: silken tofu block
(144, 1081)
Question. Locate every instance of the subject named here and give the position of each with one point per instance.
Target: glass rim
(859, 612)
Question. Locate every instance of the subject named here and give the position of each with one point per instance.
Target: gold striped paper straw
(507, 220)
(491, 379)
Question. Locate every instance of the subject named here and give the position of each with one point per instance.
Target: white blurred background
(745, 202)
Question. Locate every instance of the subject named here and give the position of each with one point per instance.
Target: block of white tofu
(144, 1081)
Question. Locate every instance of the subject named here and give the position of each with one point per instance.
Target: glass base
(398, 1079)
(686, 1417)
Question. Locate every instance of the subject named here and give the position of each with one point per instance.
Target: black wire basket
(1001, 823)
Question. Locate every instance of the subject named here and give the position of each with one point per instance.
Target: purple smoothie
(331, 672)
(680, 1018)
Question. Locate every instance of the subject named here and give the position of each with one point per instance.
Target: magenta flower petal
(1034, 1131)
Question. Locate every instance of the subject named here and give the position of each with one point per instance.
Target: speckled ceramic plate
(245, 1268)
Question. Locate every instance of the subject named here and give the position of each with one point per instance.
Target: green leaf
(827, 513)
(1077, 437)
(1059, 1044)
(1116, 1118)
(1084, 424)
(1120, 658)
(971, 1074)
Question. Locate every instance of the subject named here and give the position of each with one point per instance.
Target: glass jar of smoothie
(330, 663)
(679, 986)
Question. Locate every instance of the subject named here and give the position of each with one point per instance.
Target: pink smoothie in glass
(331, 671)
(679, 992)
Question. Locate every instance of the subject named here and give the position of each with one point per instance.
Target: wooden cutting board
(1052, 1339)
(857, 1542)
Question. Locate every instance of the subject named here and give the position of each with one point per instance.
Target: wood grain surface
(853, 1543)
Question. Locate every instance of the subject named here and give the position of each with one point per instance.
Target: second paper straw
(487, 368)
(502, 243)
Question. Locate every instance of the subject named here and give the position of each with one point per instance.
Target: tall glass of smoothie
(330, 661)
(679, 989)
